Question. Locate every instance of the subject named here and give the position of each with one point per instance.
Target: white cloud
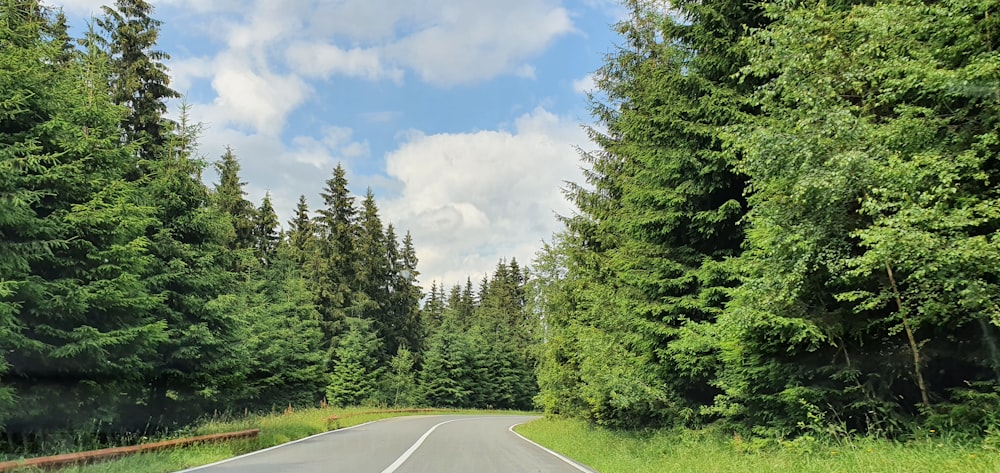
(84, 7)
(584, 85)
(526, 71)
(472, 198)
(260, 99)
(323, 60)
(471, 41)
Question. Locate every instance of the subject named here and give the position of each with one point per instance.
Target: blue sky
(463, 116)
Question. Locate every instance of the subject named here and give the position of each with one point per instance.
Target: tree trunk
(909, 336)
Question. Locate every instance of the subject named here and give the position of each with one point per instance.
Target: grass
(275, 429)
(694, 451)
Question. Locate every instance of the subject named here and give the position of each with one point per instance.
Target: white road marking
(268, 449)
(406, 455)
(567, 460)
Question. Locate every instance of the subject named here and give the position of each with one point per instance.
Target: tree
(330, 269)
(230, 198)
(139, 79)
(870, 199)
(355, 366)
(73, 306)
(286, 347)
(300, 231)
(373, 272)
(448, 374)
(191, 267)
(266, 233)
(399, 387)
(659, 214)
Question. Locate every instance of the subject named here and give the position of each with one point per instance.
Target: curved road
(438, 444)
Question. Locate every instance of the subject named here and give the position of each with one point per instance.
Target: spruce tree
(331, 268)
(74, 306)
(660, 214)
(191, 268)
(230, 198)
(139, 79)
(266, 233)
(300, 232)
(355, 366)
(372, 269)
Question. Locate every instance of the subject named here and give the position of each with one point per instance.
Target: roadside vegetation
(791, 218)
(712, 451)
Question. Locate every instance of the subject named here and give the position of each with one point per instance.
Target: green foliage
(135, 299)
(75, 312)
(715, 451)
(399, 384)
(266, 232)
(330, 264)
(481, 353)
(355, 371)
(657, 221)
(793, 215)
(139, 80)
(229, 198)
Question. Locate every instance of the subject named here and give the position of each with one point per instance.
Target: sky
(464, 117)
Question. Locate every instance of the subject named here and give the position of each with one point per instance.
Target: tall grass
(694, 451)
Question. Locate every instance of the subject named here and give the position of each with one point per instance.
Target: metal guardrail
(335, 418)
(68, 459)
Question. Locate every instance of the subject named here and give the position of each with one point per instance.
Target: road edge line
(570, 462)
(273, 447)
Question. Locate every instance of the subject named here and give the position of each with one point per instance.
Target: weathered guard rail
(59, 461)
(334, 418)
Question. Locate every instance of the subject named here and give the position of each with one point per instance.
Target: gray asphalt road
(438, 444)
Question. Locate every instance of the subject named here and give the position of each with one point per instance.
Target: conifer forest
(790, 217)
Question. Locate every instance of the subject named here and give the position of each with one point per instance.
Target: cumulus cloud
(471, 41)
(324, 60)
(469, 198)
(256, 98)
(472, 198)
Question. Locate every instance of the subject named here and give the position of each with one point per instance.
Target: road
(429, 444)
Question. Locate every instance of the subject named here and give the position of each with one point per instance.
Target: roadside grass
(275, 429)
(695, 451)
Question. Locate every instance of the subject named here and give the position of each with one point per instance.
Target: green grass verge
(689, 451)
(275, 429)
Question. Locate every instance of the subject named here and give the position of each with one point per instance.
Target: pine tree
(660, 216)
(355, 366)
(266, 233)
(448, 373)
(139, 79)
(230, 199)
(204, 358)
(286, 347)
(404, 294)
(331, 266)
(410, 294)
(301, 233)
(73, 248)
(432, 314)
(372, 269)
